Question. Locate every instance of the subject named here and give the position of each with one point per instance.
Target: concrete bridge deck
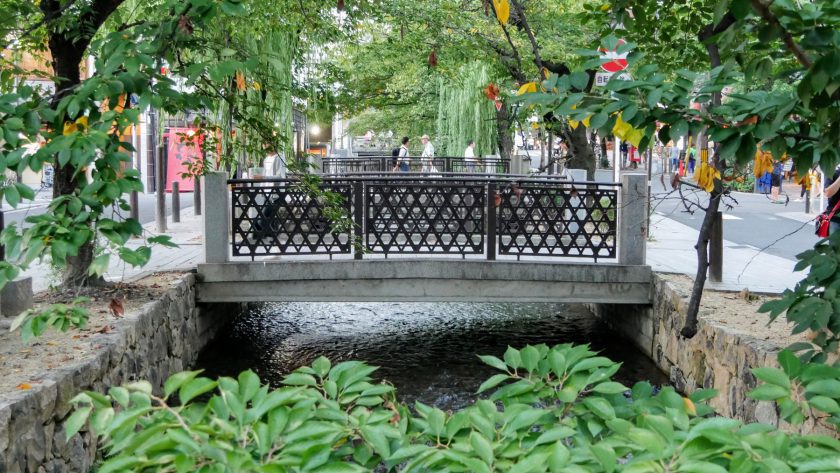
(423, 280)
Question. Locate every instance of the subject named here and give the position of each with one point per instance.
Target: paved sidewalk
(671, 250)
(187, 234)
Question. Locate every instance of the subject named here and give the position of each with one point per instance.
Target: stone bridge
(444, 237)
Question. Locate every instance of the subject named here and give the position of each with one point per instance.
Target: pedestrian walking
(635, 157)
(469, 156)
(832, 186)
(403, 159)
(675, 156)
(428, 155)
(692, 159)
(776, 182)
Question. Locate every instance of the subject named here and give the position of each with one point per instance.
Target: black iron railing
(452, 214)
(485, 165)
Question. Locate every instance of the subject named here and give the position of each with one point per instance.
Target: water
(427, 350)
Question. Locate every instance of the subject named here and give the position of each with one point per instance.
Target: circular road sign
(614, 62)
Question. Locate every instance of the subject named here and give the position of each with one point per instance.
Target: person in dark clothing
(832, 186)
(776, 183)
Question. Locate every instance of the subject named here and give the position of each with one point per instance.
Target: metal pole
(358, 217)
(197, 195)
(160, 195)
(491, 221)
(2, 227)
(176, 202)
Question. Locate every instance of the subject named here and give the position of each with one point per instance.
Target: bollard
(808, 201)
(716, 249)
(160, 187)
(134, 201)
(176, 202)
(632, 230)
(197, 195)
(216, 217)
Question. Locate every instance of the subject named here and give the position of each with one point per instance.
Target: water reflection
(428, 350)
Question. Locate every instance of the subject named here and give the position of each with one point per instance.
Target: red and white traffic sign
(614, 62)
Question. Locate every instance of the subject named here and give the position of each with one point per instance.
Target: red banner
(181, 149)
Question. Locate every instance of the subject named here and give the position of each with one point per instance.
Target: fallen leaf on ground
(116, 307)
(23, 386)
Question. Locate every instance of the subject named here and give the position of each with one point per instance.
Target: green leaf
(772, 376)
(12, 195)
(825, 387)
(790, 363)
(678, 130)
(76, 421)
(600, 407)
(610, 387)
(579, 80)
(768, 392)
(494, 362)
(299, 379)
(825, 404)
(99, 265)
(232, 8)
(740, 9)
(195, 387)
(482, 447)
(492, 382)
(376, 437)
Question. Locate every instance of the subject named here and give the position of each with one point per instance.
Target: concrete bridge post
(632, 231)
(216, 206)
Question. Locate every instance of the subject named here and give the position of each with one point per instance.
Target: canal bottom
(427, 350)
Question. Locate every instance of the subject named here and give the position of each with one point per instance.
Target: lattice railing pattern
(425, 218)
(564, 220)
(431, 215)
(281, 218)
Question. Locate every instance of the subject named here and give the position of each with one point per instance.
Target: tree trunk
(581, 154)
(504, 140)
(702, 247)
(690, 327)
(66, 61)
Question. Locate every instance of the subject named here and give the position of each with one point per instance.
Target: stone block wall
(162, 338)
(718, 357)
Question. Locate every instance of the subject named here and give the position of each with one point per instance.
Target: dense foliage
(464, 113)
(548, 409)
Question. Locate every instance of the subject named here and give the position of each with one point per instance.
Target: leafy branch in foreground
(33, 323)
(550, 409)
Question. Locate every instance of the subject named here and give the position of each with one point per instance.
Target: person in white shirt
(469, 156)
(427, 155)
(275, 165)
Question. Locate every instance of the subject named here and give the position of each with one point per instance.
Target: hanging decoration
(502, 8)
(432, 59)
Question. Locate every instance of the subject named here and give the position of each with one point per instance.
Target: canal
(427, 350)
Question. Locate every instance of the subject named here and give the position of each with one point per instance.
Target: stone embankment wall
(718, 356)
(163, 337)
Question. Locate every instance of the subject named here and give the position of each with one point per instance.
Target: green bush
(549, 409)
